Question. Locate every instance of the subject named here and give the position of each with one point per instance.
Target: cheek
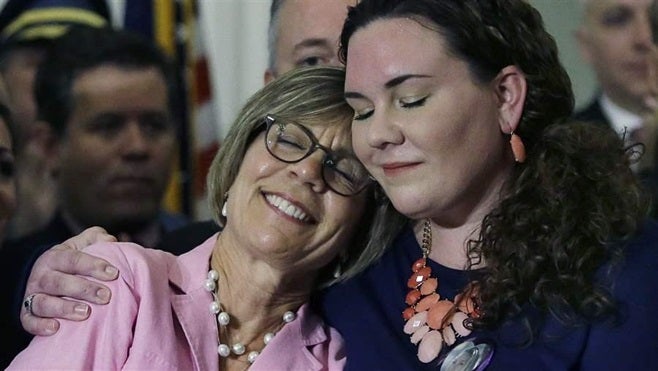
(257, 164)
(464, 139)
(85, 157)
(7, 197)
(359, 143)
(610, 47)
(164, 149)
(346, 213)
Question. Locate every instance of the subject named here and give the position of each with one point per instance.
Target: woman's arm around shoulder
(104, 340)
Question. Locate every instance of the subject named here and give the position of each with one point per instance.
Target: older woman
(298, 212)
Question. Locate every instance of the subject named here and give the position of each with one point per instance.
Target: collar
(620, 119)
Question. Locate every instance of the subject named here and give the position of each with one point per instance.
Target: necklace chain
(433, 321)
(223, 319)
(426, 245)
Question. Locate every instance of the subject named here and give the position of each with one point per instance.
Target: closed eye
(416, 103)
(362, 116)
(289, 141)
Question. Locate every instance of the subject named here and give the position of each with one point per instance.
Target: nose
(309, 171)
(382, 130)
(134, 141)
(643, 37)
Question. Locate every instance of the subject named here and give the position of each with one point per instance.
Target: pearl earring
(224, 206)
(338, 269)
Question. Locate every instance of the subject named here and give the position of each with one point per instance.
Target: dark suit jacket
(592, 113)
(649, 178)
(16, 260)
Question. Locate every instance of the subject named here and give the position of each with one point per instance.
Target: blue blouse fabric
(367, 309)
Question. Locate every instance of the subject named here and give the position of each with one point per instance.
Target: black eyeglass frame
(328, 160)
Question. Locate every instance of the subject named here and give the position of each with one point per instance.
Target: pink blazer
(158, 318)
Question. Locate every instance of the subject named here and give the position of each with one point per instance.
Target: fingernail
(81, 309)
(51, 327)
(111, 270)
(103, 294)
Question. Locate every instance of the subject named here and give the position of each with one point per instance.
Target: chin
(409, 205)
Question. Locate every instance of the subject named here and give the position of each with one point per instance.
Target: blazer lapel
(190, 302)
(289, 349)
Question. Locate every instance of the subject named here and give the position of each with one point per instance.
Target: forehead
(368, 56)
(321, 19)
(119, 87)
(596, 7)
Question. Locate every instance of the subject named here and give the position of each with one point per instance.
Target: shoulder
(629, 341)
(641, 252)
(132, 259)
(53, 233)
(638, 269)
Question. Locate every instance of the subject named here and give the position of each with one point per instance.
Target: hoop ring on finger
(27, 303)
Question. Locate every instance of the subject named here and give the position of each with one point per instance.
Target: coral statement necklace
(431, 320)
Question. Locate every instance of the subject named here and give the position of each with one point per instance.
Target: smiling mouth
(287, 208)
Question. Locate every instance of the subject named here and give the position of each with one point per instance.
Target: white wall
(561, 18)
(236, 33)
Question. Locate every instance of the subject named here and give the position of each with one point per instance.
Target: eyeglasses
(291, 142)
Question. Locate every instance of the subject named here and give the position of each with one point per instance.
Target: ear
(511, 88)
(268, 76)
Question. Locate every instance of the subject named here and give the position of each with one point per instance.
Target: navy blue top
(367, 309)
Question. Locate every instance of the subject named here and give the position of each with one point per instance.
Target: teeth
(286, 207)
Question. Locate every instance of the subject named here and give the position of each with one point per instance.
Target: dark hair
(488, 35)
(574, 195)
(82, 49)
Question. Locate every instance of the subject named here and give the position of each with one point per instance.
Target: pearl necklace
(431, 320)
(223, 319)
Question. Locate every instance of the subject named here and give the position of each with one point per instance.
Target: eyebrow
(306, 43)
(390, 84)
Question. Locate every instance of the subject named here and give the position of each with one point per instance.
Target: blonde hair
(314, 96)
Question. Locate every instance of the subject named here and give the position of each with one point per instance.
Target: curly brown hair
(573, 199)
(569, 207)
